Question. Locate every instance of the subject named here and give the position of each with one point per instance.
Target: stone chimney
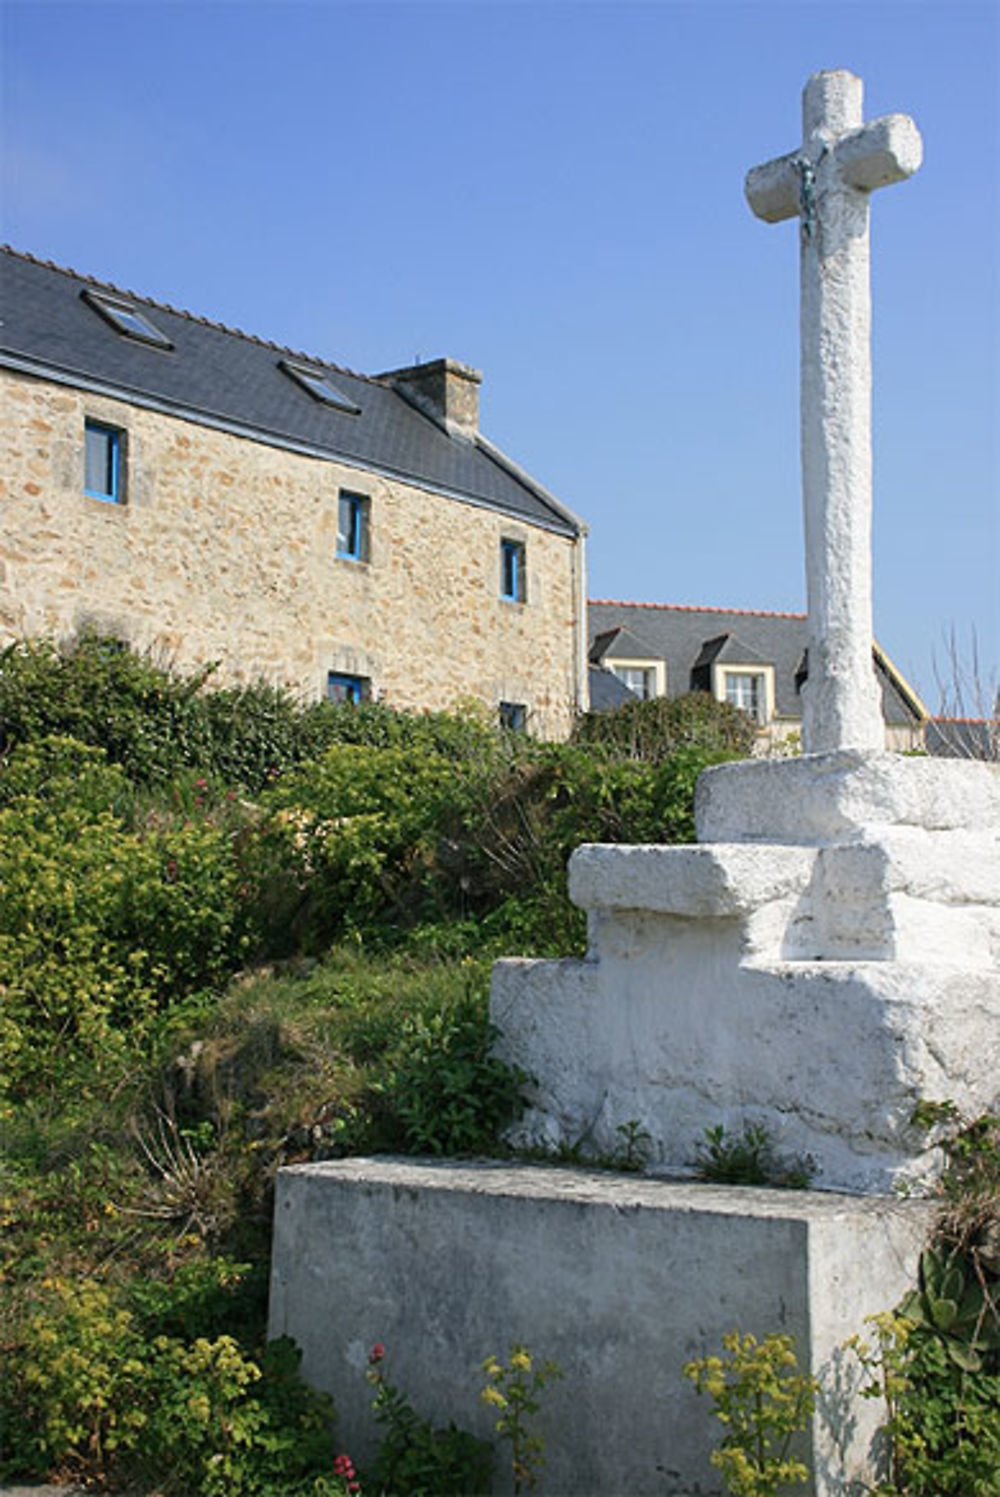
(445, 390)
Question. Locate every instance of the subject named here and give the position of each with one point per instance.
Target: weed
(750, 1158)
(512, 1393)
(414, 1458)
(763, 1401)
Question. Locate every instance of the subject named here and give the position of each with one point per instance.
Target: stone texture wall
(225, 550)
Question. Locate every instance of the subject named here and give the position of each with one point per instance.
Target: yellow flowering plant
(512, 1389)
(763, 1401)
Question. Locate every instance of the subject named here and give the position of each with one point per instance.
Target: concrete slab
(620, 1279)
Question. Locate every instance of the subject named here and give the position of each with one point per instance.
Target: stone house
(755, 660)
(211, 496)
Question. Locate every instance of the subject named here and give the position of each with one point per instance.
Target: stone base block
(673, 1028)
(619, 1279)
(821, 798)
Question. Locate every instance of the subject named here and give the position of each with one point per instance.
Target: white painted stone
(822, 798)
(695, 881)
(619, 1279)
(822, 989)
(827, 183)
(676, 1028)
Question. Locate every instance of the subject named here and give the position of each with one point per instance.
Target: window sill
(108, 500)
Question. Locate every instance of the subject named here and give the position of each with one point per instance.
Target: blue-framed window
(343, 688)
(104, 468)
(513, 572)
(514, 717)
(352, 526)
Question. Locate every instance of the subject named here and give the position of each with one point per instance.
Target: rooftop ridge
(756, 613)
(163, 306)
(977, 721)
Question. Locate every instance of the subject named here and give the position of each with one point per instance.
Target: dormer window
(751, 688)
(126, 318)
(746, 692)
(643, 679)
(319, 386)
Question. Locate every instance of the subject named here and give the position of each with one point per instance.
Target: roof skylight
(319, 386)
(126, 318)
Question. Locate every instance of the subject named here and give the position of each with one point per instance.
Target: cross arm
(885, 151)
(773, 190)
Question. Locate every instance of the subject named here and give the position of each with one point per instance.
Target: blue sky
(552, 191)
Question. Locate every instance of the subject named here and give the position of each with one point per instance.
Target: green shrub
(147, 719)
(58, 773)
(512, 824)
(101, 927)
(450, 1094)
(92, 1391)
(935, 1360)
(654, 729)
(347, 842)
(942, 1423)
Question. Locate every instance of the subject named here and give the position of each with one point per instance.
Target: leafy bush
(90, 1391)
(942, 1419)
(935, 1360)
(450, 1094)
(653, 730)
(348, 841)
(100, 926)
(513, 822)
(147, 719)
(156, 722)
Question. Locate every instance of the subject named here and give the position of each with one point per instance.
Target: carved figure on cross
(827, 183)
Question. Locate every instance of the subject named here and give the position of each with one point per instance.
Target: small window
(104, 476)
(320, 387)
(341, 688)
(352, 527)
(745, 690)
(126, 318)
(513, 576)
(640, 680)
(513, 716)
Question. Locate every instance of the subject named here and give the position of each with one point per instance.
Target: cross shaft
(827, 183)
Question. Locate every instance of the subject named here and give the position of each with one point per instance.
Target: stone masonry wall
(225, 551)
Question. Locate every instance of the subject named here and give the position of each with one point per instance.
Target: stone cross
(826, 183)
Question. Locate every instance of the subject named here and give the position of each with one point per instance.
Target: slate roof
(690, 638)
(229, 379)
(606, 691)
(964, 738)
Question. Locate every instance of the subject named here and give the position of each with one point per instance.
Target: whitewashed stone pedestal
(824, 959)
(831, 959)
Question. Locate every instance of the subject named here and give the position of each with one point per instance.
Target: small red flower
(343, 1466)
(377, 1353)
